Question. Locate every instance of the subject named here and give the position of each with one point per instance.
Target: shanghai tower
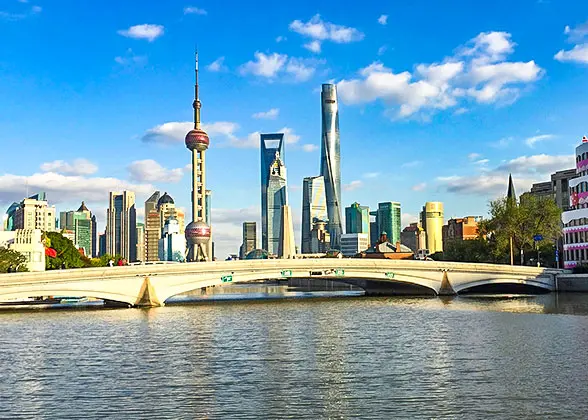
(331, 161)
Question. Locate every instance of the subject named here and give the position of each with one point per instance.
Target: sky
(439, 100)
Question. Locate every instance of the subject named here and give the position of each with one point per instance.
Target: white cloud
(481, 162)
(309, 147)
(77, 167)
(383, 20)
(371, 175)
(313, 46)
(531, 141)
(382, 50)
(175, 132)
(63, 188)
(353, 185)
(540, 164)
(290, 137)
(502, 143)
(281, 39)
(408, 218)
(130, 58)
(477, 71)
(272, 114)
(36, 9)
(474, 156)
(526, 170)
(320, 30)
(217, 65)
(411, 164)
(578, 54)
(145, 31)
(227, 228)
(149, 170)
(270, 66)
(191, 10)
(419, 187)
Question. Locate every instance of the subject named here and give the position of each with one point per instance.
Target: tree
(68, 256)
(477, 250)
(11, 260)
(532, 216)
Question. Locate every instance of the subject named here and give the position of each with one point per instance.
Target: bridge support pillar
(446, 288)
(147, 297)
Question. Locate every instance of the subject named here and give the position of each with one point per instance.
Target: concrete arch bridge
(152, 285)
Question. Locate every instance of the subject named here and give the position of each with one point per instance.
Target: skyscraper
(432, 222)
(249, 239)
(140, 242)
(388, 219)
(270, 144)
(314, 206)
(357, 219)
(83, 226)
(198, 232)
(121, 225)
(152, 227)
(331, 160)
(277, 196)
(34, 213)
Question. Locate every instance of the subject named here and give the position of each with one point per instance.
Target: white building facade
(575, 221)
(29, 242)
(35, 214)
(354, 243)
(172, 245)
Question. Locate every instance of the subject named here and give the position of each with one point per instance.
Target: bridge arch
(505, 285)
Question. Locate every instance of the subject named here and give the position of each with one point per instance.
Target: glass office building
(270, 144)
(314, 206)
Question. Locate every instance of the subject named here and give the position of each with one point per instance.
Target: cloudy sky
(439, 100)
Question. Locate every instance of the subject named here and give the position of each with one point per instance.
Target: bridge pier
(446, 288)
(147, 297)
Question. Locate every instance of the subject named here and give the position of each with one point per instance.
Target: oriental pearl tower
(198, 232)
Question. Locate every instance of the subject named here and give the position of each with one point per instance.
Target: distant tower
(331, 161)
(277, 197)
(432, 221)
(314, 206)
(287, 246)
(270, 144)
(511, 195)
(197, 141)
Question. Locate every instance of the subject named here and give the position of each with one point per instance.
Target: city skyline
(531, 134)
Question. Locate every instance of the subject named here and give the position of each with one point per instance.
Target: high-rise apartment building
(249, 239)
(388, 220)
(432, 223)
(277, 196)
(34, 213)
(314, 207)
(331, 161)
(270, 145)
(357, 219)
(82, 226)
(121, 225)
(158, 209)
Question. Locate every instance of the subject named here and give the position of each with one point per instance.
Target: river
(338, 357)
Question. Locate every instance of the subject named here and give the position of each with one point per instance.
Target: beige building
(140, 242)
(121, 226)
(28, 242)
(35, 214)
(432, 223)
(287, 248)
(320, 239)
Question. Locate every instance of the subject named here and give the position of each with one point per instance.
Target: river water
(352, 357)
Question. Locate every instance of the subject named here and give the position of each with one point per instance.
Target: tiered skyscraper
(331, 161)
(270, 144)
(314, 206)
(198, 233)
(277, 197)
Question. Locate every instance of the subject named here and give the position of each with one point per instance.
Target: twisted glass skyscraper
(331, 161)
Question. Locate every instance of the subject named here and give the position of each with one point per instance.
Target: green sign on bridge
(227, 278)
(286, 273)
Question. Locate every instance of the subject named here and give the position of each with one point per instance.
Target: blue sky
(438, 100)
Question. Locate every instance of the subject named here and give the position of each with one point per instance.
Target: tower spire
(196, 105)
